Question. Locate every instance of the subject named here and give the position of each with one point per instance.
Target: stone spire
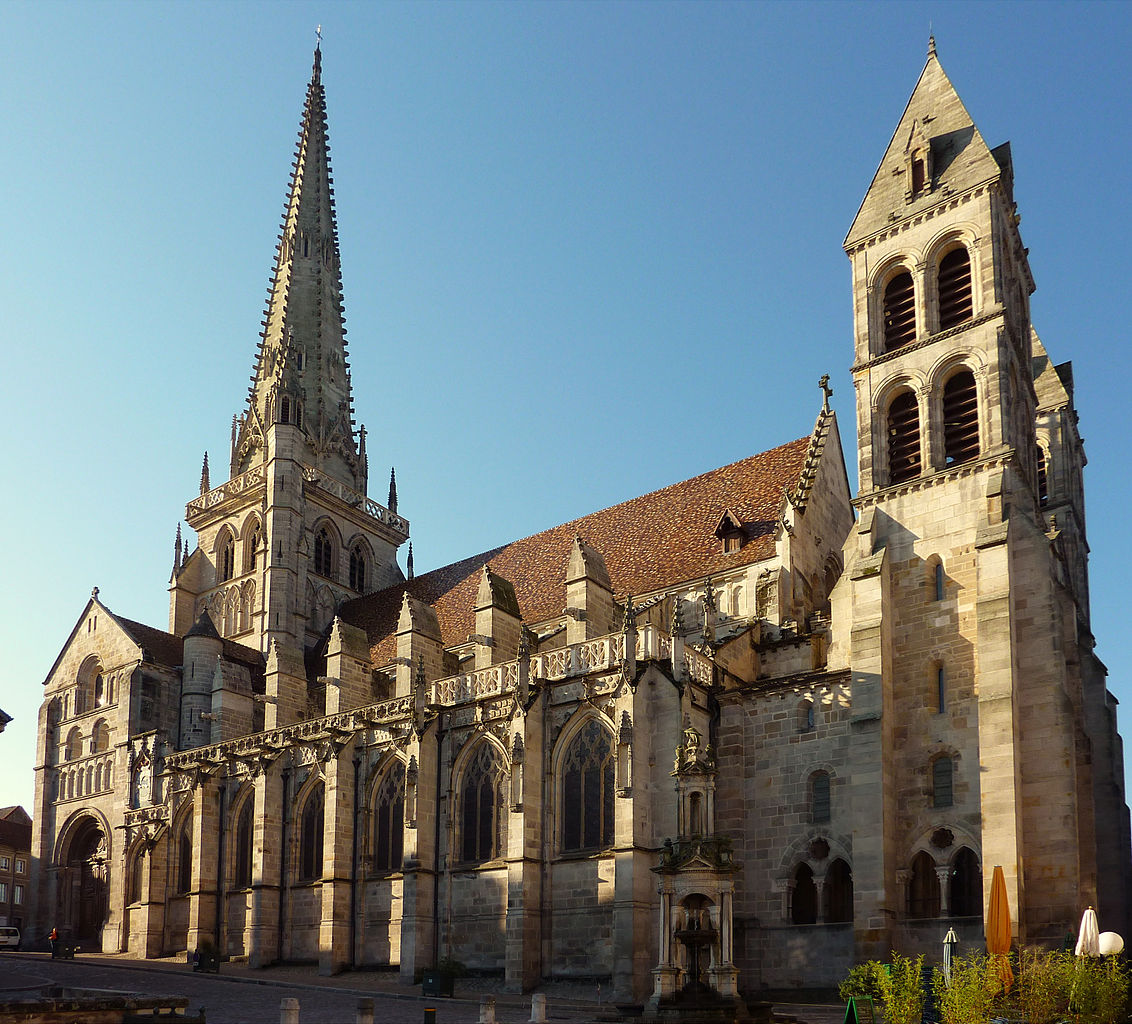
(205, 486)
(392, 503)
(301, 375)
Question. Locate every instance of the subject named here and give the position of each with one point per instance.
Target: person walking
(53, 938)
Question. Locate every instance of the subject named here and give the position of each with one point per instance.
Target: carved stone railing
(355, 499)
(237, 487)
(601, 654)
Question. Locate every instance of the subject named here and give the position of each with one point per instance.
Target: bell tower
(963, 641)
(292, 533)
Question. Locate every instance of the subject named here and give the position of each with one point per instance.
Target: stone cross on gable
(827, 391)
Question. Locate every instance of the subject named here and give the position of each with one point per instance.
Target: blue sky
(588, 250)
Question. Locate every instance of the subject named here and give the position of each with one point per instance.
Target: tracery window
(819, 797)
(837, 893)
(923, 888)
(482, 814)
(323, 553)
(903, 438)
(242, 865)
(960, 419)
(358, 570)
(251, 547)
(587, 789)
(804, 901)
(899, 311)
(966, 891)
(389, 821)
(310, 836)
(954, 288)
(226, 558)
(137, 867)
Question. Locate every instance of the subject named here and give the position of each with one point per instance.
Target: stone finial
(826, 390)
(205, 486)
(677, 616)
(931, 45)
(409, 561)
(392, 503)
(362, 445)
(177, 555)
(94, 593)
(629, 621)
(418, 617)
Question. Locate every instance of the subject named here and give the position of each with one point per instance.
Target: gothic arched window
(804, 904)
(903, 438)
(251, 547)
(185, 856)
(310, 836)
(358, 570)
(483, 825)
(837, 893)
(819, 797)
(960, 419)
(225, 558)
(1043, 478)
(943, 793)
(389, 821)
(242, 864)
(899, 311)
(966, 885)
(954, 288)
(587, 789)
(323, 553)
(923, 888)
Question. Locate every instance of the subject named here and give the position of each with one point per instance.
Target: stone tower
(967, 615)
(292, 533)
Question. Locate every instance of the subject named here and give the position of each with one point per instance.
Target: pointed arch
(585, 768)
(481, 812)
(224, 553)
(387, 804)
(251, 542)
(312, 815)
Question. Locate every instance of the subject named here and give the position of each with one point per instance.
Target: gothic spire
(205, 486)
(392, 503)
(301, 376)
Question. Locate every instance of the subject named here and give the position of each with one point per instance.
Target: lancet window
(588, 790)
(310, 836)
(389, 820)
(482, 813)
(242, 863)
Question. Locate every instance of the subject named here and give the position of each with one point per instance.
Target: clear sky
(588, 250)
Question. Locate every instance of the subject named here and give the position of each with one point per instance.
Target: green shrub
(973, 993)
(862, 980)
(902, 990)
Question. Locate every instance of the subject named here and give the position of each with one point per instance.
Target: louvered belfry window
(960, 419)
(903, 438)
(899, 311)
(954, 289)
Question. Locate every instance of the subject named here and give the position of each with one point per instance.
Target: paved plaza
(240, 995)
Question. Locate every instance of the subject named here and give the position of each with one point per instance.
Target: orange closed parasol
(998, 927)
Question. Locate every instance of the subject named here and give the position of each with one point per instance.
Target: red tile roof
(648, 543)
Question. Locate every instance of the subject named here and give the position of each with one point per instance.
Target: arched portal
(84, 880)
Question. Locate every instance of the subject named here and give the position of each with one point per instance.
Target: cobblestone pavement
(240, 996)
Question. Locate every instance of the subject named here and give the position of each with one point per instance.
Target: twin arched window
(588, 790)
(323, 553)
(960, 415)
(954, 289)
(226, 558)
(964, 889)
(836, 897)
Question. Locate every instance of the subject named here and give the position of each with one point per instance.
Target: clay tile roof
(167, 649)
(648, 543)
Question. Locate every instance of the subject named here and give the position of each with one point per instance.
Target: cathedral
(741, 732)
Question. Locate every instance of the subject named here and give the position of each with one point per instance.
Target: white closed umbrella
(1089, 935)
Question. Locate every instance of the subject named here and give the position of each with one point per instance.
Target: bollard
(538, 1008)
(365, 1012)
(429, 1015)
(288, 1011)
(487, 1010)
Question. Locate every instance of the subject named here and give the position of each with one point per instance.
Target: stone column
(267, 863)
(337, 860)
(523, 960)
(206, 850)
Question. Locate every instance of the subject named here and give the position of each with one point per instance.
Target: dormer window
(730, 532)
